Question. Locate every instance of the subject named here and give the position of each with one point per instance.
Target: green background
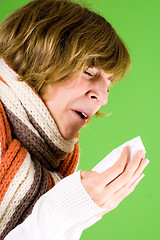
(134, 105)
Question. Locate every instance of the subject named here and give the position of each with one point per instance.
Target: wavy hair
(46, 41)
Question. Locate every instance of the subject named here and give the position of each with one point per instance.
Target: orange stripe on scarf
(12, 155)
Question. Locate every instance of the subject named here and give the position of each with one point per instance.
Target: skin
(109, 188)
(87, 92)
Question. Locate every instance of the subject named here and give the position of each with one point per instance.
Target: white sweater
(60, 214)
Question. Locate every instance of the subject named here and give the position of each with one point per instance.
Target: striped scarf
(31, 148)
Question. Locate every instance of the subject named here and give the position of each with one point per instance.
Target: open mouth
(82, 115)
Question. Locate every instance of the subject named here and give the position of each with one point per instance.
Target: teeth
(84, 115)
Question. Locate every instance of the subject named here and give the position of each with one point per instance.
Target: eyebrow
(98, 71)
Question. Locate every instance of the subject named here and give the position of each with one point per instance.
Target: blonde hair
(46, 41)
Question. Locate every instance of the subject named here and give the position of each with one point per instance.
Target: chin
(68, 135)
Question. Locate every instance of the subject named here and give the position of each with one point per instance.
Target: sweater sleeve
(62, 213)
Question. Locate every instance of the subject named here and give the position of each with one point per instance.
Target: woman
(58, 60)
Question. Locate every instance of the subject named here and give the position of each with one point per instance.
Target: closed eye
(88, 73)
(91, 73)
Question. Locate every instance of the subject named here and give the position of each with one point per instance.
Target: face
(74, 102)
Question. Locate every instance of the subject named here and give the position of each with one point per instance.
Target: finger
(137, 174)
(110, 198)
(140, 169)
(133, 182)
(129, 190)
(135, 162)
(118, 168)
(125, 177)
(122, 194)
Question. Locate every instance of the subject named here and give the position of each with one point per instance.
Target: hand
(109, 188)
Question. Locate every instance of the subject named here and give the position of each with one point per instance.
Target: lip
(89, 115)
(83, 121)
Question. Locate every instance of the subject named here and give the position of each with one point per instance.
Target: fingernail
(146, 162)
(142, 176)
(142, 154)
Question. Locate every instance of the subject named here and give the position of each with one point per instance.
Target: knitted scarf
(31, 150)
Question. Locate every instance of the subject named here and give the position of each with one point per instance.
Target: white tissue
(134, 144)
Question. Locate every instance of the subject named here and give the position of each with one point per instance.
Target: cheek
(78, 90)
(58, 101)
(77, 85)
(58, 97)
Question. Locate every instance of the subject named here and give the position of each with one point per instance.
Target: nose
(99, 96)
(98, 91)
